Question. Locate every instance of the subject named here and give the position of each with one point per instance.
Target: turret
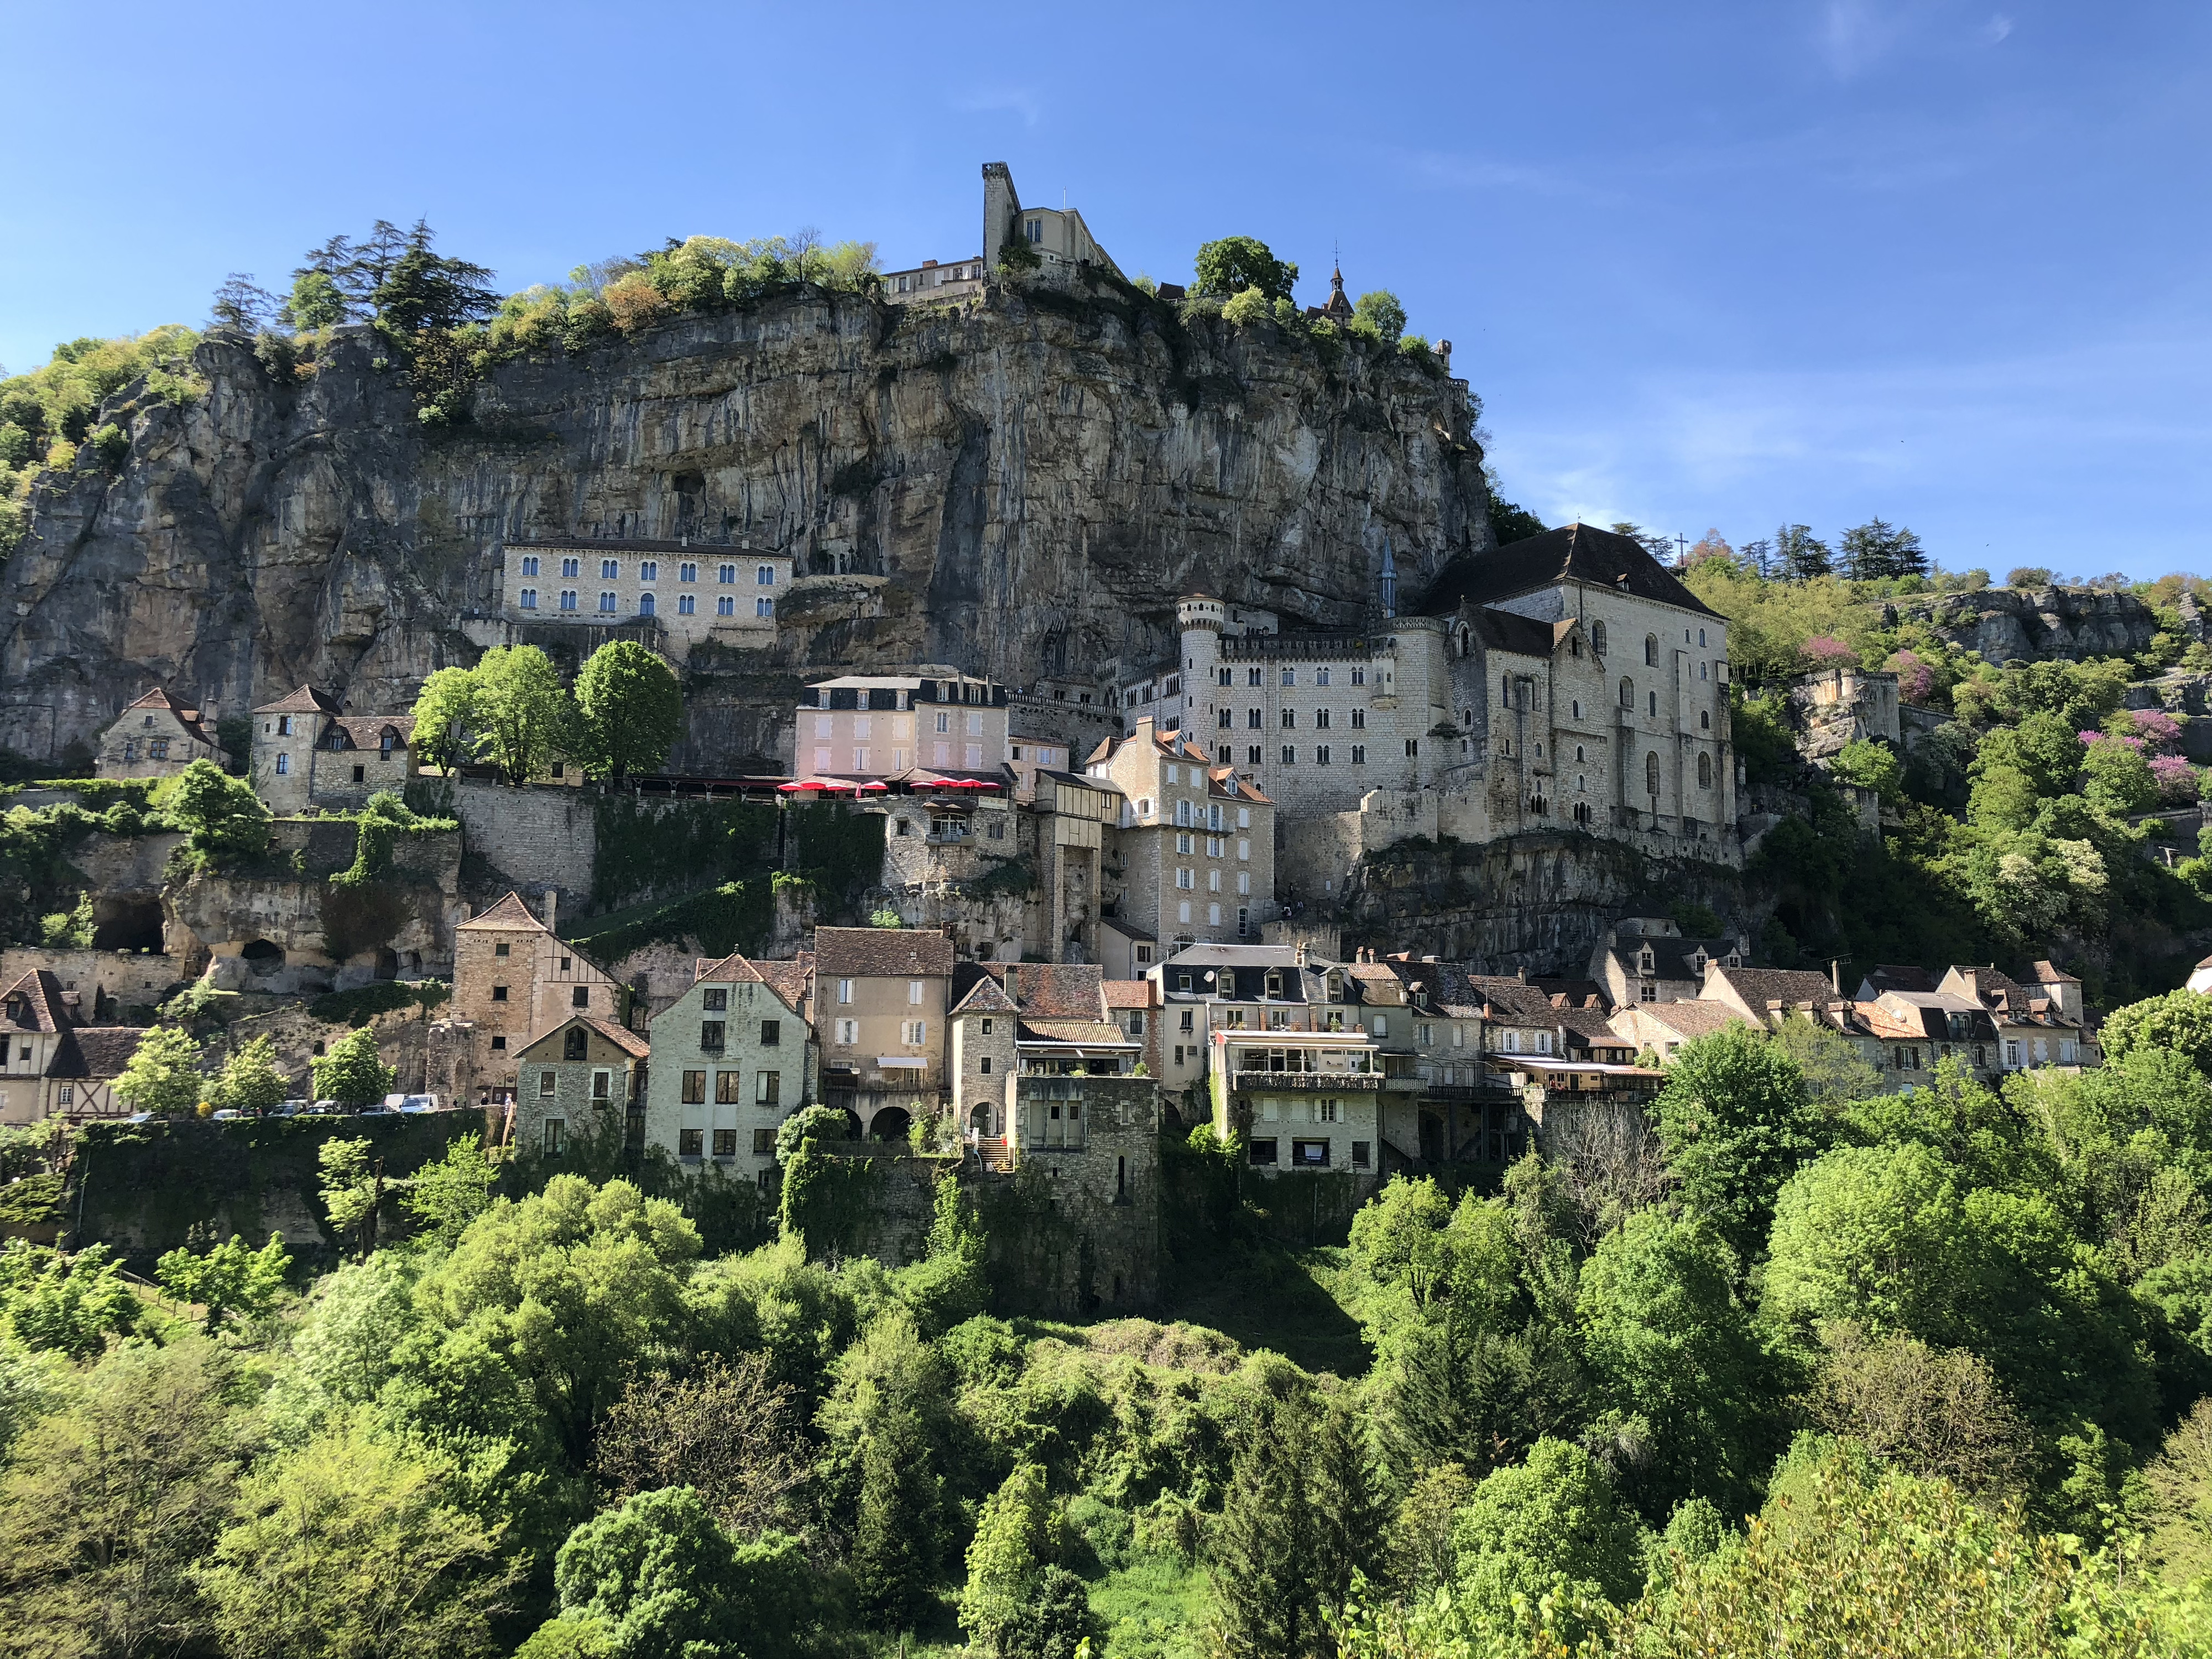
(1202, 620)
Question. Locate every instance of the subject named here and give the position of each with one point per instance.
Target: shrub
(634, 302)
(1247, 307)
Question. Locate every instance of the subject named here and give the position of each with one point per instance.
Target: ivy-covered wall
(647, 849)
(143, 1188)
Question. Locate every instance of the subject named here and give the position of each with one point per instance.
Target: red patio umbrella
(802, 783)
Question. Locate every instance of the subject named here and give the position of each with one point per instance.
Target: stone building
(156, 737)
(1012, 1022)
(1194, 844)
(52, 1064)
(1566, 682)
(513, 980)
(308, 753)
(1057, 237)
(582, 1078)
(1837, 706)
(680, 594)
(732, 1058)
(1646, 959)
(878, 1009)
(963, 279)
(885, 725)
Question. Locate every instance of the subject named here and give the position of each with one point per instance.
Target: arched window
(1627, 692)
(1505, 689)
(1704, 720)
(1597, 637)
(1704, 771)
(1465, 640)
(1651, 774)
(1650, 650)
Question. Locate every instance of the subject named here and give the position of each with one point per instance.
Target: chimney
(1836, 975)
(1522, 973)
(552, 909)
(1300, 956)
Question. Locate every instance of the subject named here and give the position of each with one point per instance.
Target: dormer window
(1646, 962)
(1275, 983)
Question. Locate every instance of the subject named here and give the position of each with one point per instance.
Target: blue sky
(1708, 265)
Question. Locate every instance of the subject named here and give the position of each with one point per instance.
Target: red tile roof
(880, 952)
(510, 913)
(305, 701)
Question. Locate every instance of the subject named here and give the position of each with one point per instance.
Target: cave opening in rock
(263, 957)
(127, 924)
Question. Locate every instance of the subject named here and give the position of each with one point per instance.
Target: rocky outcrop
(2014, 625)
(1026, 479)
(1534, 902)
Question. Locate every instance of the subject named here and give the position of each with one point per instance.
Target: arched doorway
(980, 1120)
(890, 1124)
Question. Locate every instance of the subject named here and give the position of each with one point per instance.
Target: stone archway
(890, 1124)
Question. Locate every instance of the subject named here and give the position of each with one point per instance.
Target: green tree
(444, 716)
(1834, 1068)
(352, 1189)
(1672, 1349)
(2180, 1479)
(423, 289)
(896, 1536)
(1938, 1413)
(1236, 262)
(1013, 1543)
(522, 715)
(729, 1430)
(163, 1074)
(1348, 1515)
(353, 1544)
(1423, 1556)
(249, 1081)
(655, 1576)
(68, 1305)
(629, 707)
(1887, 1237)
(1872, 766)
(1876, 549)
(1737, 1122)
(1800, 556)
(2180, 1022)
(228, 1278)
(572, 1284)
(1550, 1526)
(220, 815)
(351, 1073)
(1265, 1601)
(110, 1501)
(316, 301)
(1861, 1561)
(72, 929)
(446, 1195)
(1380, 310)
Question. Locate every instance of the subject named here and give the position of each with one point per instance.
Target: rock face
(2013, 625)
(1019, 485)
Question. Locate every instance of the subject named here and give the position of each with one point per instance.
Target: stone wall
(142, 1189)
(537, 839)
(111, 985)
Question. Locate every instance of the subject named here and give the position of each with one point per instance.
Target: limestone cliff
(2017, 624)
(1016, 485)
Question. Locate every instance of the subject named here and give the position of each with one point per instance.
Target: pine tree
(1800, 555)
(1348, 1519)
(1264, 1595)
(895, 1544)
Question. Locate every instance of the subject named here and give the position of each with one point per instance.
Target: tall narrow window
(1651, 774)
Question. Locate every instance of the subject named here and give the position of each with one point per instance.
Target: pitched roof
(1891, 977)
(1056, 991)
(305, 701)
(880, 952)
(2049, 973)
(1508, 631)
(1577, 552)
(622, 1036)
(1130, 993)
(1591, 1026)
(187, 718)
(95, 1051)
(1789, 986)
(510, 913)
(366, 731)
(38, 994)
(732, 968)
(1508, 997)
(1089, 1032)
(1688, 1018)
(1671, 955)
(790, 978)
(985, 996)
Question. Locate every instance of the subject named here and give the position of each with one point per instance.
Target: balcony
(1336, 1082)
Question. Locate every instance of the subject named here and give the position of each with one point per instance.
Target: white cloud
(1018, 100)
(1996, 28)
(1854, 33)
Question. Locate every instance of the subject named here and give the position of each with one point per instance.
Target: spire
(1339, 309)
(1389, 577)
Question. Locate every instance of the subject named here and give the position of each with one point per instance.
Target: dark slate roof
(1578, 552)
(366, 731)
(96, 1050)
(1512, 1000)
(39, 998)
(880, 952)
(305, 701)
(615, 545)
(1524, 637)
(1670, 956)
